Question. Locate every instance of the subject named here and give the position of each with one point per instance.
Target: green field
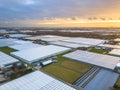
(7, 50)
(66, 69)
(99, 51)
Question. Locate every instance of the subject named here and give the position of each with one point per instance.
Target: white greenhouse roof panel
(89, 41)
(35, 54)
(101, 60)
(48, 38)
(70, 45)
(110, 46)
(36, 80)
(25, 46)
(6, 59)
(22, 42)
(103, 80)
(115, 52)
(47, 62)
(7, 42)
(18, 35)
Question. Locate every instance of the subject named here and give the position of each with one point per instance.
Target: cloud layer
(46, 9)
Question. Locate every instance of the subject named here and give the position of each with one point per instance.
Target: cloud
(70, 9)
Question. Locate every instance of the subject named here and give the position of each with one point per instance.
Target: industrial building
(18, 35)
(47, 38)
(69, 45)
(25, 46)
(104, 80)
(109, 46)
(35, 55)
(36, 80)
(105, 61)
(7, 42)
(88, 41)
(115, 52)
(6, 60)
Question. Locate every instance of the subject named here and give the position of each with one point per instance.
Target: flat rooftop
(70, 45)
(18, 35)
(105, 61)
(88, 41)
(110, 46)
(35, 54)
(7, 42)
(6, 59)
(36, 81)
(115, 52)
(104, 80)
(47, 38)
(25, 46)
(22, 42)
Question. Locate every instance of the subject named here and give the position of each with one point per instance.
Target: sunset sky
(60, 13)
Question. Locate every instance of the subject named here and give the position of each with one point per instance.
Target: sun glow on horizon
(78, 22)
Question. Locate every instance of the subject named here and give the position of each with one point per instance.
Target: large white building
(7, 42)
(109, 46)
(25, 46)
(105, 61)
(36, 81)
(115, 52)
(104, 80)
(69, 45)
(6, 60)
(88, 41)
(18, 35)
(47, 38)
(39, 53)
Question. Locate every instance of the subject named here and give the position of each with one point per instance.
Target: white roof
(6, 59)
(118, 65)
(101, 60)
(104, 80)
(47, 38)
(35, 54)
(7, 42)
(70, 45)
(35, 81)
(88, 41)
(110, 46)
(22, 42)
(47, 62)
(18, 35)
(25, 46)
(115, 52)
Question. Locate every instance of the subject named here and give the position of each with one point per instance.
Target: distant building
(87, 41)
(18, 35)
(25, 46)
